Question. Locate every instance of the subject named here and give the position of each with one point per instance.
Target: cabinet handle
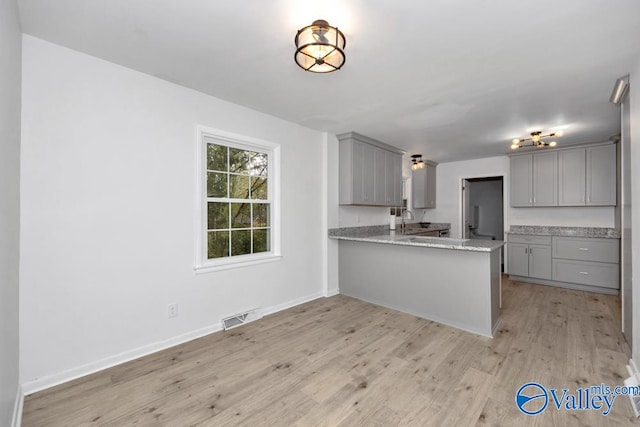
(586, 273)
(584, 249)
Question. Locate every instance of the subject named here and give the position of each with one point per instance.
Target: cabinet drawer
(586, 273)
(521, 238)
(586, 249)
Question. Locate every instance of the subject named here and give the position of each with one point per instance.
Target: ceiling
(451, 79)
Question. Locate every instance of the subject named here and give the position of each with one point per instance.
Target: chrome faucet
(403, 225)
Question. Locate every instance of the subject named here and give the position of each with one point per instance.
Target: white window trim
(202, 263)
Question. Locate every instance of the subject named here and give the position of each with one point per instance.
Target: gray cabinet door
(418, 188)
(521, 188)
(540, 261)
(394, 179)
(571, 177)
(368, 174)
(357, 156)
(430, 187)
(518, 259)
(397, 180)
(379, 177)
(601, 175)
(545, 179)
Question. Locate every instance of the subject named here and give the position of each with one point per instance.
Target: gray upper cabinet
(393, 168)
(572, 177)
(423, 186)
(601, 175)
(545, 179)
(583, 176)
(380, 177)
(521, 183)
(370, 171)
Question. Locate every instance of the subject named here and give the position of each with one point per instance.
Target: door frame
(461, 198)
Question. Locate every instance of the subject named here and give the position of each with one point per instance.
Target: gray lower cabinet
(530, 256)
(370, 171)
(585, 263)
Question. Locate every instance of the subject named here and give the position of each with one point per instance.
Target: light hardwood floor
(340, 361)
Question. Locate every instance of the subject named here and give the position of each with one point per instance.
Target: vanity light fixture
(416, 162)
(535, 140)
(320, 47)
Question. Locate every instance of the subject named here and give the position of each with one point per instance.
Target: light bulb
(552, 144)
(515, 142)
(559, 133)
(515, 146)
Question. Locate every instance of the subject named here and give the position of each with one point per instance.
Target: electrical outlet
(173, 309)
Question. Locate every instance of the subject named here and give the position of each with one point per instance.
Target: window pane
(218, 244)
(260, 215)
(240, 215)
(216, 184)
(240, 242)
(218, 216)
(258, 164)
(239, 186)
(259, 188)
(216, 157)
(239, 160)
(261, 241)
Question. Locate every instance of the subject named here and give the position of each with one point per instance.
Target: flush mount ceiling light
(320, 47)
(535, 140)
(416, 162)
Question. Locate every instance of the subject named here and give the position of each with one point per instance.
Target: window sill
(236, 263)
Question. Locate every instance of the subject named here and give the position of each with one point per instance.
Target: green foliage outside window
(238, 209)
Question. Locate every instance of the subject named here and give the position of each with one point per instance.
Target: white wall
(10, 52)
(108, 210)
(634, 94)
(449, 195)
(331, 157)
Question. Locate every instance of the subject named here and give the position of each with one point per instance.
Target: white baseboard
(16, 421)
(331, 293)
(49, 381)
(276, 308)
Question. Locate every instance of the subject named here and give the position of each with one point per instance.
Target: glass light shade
(552, 144)
(320, 48)
(515, 146)
(515, 141)
(558, 133)
(535, 137)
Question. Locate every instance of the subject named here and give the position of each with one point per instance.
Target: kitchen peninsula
(451, 281)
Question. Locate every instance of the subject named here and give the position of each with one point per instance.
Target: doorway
(483, 208)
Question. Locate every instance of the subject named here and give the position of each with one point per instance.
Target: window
(238, 194)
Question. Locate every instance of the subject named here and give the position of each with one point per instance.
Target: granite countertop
(382, 234)
(543, 230)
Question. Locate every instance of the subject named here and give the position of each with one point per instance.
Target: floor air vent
(240, 319)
